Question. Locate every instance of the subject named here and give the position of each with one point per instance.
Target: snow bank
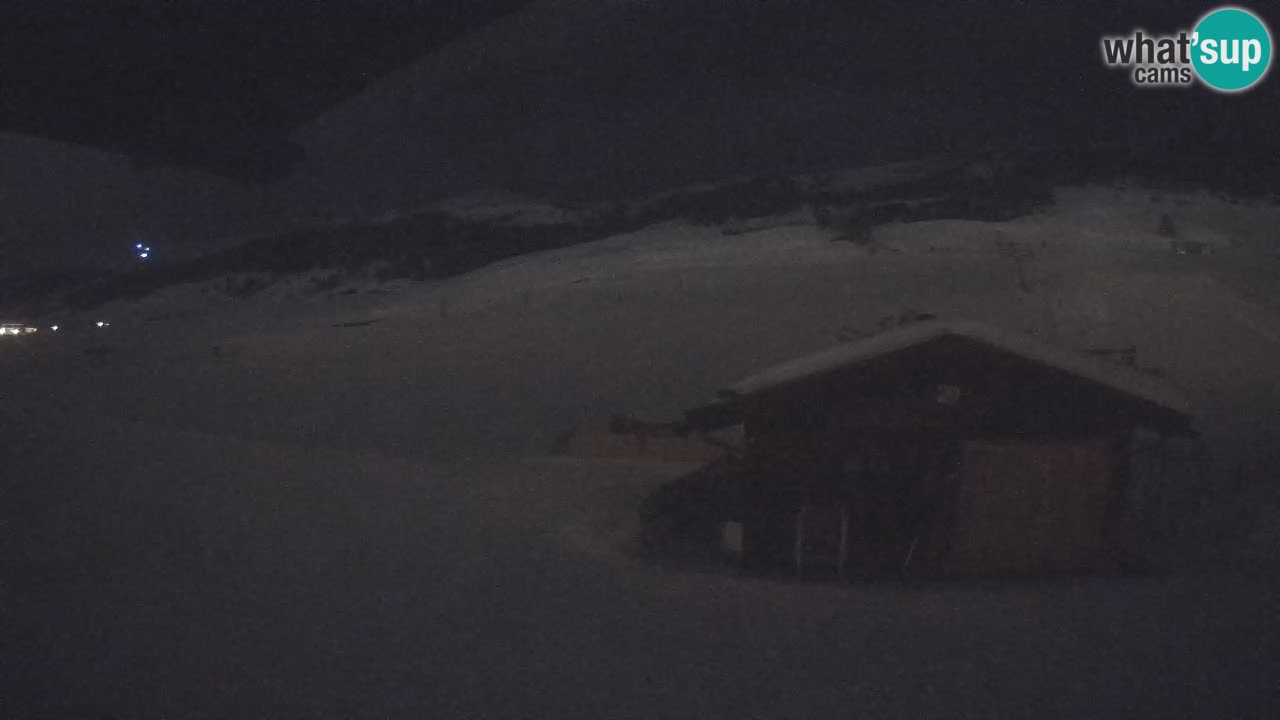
(336, 522)
(1197, 216)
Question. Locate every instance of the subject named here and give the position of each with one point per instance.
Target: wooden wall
(1032, 509)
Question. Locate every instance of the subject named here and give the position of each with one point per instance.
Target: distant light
(53, 328)
(101, 324)
(145, 254)
(139, 246)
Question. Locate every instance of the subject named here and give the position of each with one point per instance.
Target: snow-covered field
(328, 520)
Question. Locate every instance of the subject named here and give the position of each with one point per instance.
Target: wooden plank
(1031, 509)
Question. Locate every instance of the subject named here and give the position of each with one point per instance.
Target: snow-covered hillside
(1093, 269)
(359, 458)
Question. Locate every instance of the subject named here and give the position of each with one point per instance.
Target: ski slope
(346, 509)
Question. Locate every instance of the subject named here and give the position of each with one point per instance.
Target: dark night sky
(581, 99)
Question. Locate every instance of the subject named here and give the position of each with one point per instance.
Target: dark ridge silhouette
(1000, 184)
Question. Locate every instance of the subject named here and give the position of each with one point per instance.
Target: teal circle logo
(1231, 49)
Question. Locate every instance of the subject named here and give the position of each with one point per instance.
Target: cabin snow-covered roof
(1109, 374)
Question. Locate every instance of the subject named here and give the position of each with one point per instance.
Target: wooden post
(1117, 521)
(800, 542)
(844, 540)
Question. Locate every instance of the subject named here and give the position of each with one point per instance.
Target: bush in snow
(406, 267)
(244, 286)
(326, 283)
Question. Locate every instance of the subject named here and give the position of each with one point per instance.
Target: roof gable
(1107, 374)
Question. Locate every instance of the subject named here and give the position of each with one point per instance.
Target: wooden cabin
(943, 449)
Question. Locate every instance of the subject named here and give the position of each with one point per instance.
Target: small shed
(945, 449)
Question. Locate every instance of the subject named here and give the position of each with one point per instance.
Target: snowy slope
(212, 577)
(706, 307)
(316, 505)
(501, 361)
